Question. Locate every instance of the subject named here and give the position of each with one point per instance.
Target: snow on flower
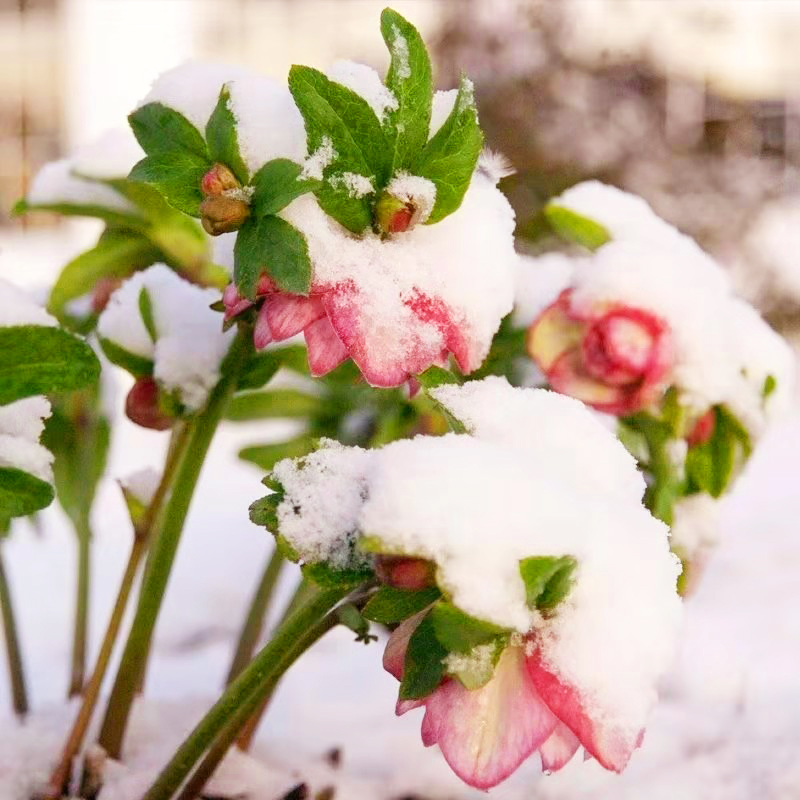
(22, 421)
(646, 311)
(542, 479)
(394, 305)
(185, 342)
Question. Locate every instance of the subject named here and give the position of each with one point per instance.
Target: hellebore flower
(616, 359)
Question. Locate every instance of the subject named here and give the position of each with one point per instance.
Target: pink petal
(234, 303)
(262, 335)
(554, 333)
(325, 348)
(487, 733)
(559, 748)
(403, 706)
(288, 314)
(609, 743)
(394, 655)
(434, 311)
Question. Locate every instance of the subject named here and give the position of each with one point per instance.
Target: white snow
(539, 281)
(366, 82)
(315, 164)
(443, 103)
(111, 156)
(356, 185)
(418, 191)
(142, 484)
(190, 344)
(495, 165)
(21, 425)
(695, 525)
(17, 307)
(399, 48)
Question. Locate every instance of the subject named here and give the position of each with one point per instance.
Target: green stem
(59, 778)
(256, 616)
(165, 545)
(81, 631)
(16, 671)
(245, 694)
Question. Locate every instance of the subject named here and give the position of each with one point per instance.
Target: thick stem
(256, 616)
(81, 631)
(165, 545)
(16, 671)
(59, 778)
(244, 695)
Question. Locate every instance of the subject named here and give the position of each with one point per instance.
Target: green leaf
(138, 366)
(450, 157)
(177, 176)
(437, 376)
(267, 456)
(276, 184)
(335, 113)
(458, 632)
(411, 82)
(547, 579)
(263, 365)
(389, 605)
(271, 245)
(146, 313)
(349, 616)
(770, 384)
(22, 493)
(263, 512)
(330, 578)
(423, 669)
(222, 139)
(162, 130)
(35, 359)
(283, 403)
(117, 254)
(476, 668)
(109, 215)
(576, 228)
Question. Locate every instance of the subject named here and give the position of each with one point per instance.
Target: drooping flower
(515, 559)
(616, 358)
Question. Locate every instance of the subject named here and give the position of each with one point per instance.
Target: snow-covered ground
(728, 726)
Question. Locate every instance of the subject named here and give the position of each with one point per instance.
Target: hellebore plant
(506, 557)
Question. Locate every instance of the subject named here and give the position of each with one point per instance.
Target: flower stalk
(81, 631)
(19, 693)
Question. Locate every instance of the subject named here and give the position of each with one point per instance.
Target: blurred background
(694, 104)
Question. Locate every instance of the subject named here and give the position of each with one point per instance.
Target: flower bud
(394, 215)
(402, 572)
(218, 180)
(221, 214)
(703, 429)
(142, 406)
(102, 292)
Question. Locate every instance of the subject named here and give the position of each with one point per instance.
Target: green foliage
(548, 580)
(449, 158)
(271, 244)
(35, 359)
(263, 365)
(458, 632)
(146, 313)
(351, 617)
(328, 577)
(437, 376)
(176, 176)
(770, 384)
(276, 184)
(22, 493)
(111, 216)
(162, 130)
(267, 456)
(423, 669)
(576, 228)
(276, 403)
(389, 605)
(222, 139)
(138, 366)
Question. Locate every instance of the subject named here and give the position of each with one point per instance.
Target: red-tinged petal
(262, 335)
(553, 334)
(408, 705)
(435, 311)
(325, 349)
(288, 314)
(265, 285)
(609, 743)
(394, 655)
(559, 748)
(487, 733)
(566, 375)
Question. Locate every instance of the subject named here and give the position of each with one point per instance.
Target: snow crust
(190, 344)
(18, 308)
(543, 477)
(366, 82)
(111, 156)
(723, 350)
(21, 425)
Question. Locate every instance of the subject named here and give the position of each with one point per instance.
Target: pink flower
(335, 329)
(615, 358)
(485, 734)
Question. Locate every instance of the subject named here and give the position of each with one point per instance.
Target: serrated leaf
(547, 580)
(35, 359)
(117, 254)
(276, 184)
(138, 366)
(410, 80)
(222, 138)
(267, 456)
(575, 227)
(277, 403)
(146, 313)
(335, 113)
(177, 176)
(263, 512)
(389, 605)
(437, 376)
(423, 668)
(271, 245)
(22, 493)
(262, 365)
(160, 129)
(458, 632)
(450, 157)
